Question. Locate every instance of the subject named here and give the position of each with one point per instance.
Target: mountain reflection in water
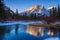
(20, 32)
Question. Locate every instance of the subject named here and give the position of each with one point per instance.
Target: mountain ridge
(38, 10)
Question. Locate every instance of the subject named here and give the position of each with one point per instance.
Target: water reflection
(26, 32)
(2, 32)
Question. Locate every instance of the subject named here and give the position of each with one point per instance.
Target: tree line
(6, 14)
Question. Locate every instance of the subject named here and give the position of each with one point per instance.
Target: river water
(18, 31)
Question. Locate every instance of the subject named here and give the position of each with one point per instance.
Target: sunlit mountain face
(38, 10)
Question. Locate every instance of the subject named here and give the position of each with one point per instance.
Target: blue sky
(22, 5)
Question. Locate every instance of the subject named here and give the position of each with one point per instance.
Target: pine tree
(3, 15)
(58, 11)
(33, 16)
(54, 11)
(1, 8)
(50, 12)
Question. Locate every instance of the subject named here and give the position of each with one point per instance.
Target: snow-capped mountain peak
(52, 7)
(38, 10)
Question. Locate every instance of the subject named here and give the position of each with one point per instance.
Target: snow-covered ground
(20, 22)
(58, 22)
(24, 22)
(53, 38)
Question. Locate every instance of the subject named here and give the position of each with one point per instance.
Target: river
(18, 31)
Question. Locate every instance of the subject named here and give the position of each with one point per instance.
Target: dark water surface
(19, 32)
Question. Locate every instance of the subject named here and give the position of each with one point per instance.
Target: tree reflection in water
(16, 28)
(9, 33)
(2, 32)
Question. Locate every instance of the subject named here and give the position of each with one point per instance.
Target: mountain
(53, 10)
(52, 7)
(38, 10)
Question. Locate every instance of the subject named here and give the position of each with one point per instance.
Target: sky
(23, 5)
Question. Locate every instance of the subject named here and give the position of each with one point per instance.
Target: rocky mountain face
(38, 10)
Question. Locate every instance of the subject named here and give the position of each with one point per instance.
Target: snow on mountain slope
(38, 10)
(52, 7)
